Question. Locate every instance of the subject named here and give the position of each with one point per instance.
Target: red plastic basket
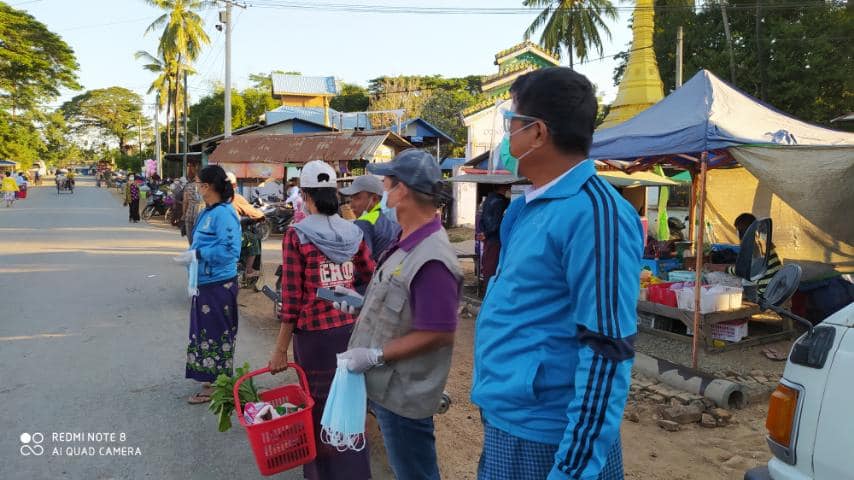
(288, 441)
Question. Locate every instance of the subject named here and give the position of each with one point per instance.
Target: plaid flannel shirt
(305, 269)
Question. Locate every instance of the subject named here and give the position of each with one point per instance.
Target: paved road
(93, 329)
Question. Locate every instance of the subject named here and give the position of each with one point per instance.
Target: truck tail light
(781, 414)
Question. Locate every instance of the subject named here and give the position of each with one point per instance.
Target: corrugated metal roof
(303, 85)
(302, 148)
(316, 114)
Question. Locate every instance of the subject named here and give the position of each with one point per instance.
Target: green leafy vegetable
(222, 398)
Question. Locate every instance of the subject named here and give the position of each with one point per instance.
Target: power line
(416, 10)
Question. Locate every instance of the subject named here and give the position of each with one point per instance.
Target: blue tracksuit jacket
(554, 340)
(216, 239)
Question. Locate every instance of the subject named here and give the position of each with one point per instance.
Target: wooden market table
(707, 320)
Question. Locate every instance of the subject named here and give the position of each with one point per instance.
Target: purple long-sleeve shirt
(433, 293)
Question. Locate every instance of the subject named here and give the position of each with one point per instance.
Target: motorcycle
(253, 228)
(158, 204)
(278, 217)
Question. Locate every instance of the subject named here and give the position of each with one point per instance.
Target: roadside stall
(707, 124)
(485, 180)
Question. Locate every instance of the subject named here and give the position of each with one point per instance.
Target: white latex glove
(361, 359)
(185, 258)
(344, 306)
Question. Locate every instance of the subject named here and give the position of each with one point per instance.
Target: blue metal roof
(418, 127)
(302, 85)
(315, 115)
(449, 163)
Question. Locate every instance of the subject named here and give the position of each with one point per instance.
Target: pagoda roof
(526, 46)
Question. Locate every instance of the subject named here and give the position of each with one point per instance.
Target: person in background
(492, 211)
(132, 199)
(9, 187)
(23, 185)
(295, 200)
(321, 251)
(555, 334)
(213, 311)
(742, 223)
(404, 335)
(379, 232)
(250, 243)
(193, 203)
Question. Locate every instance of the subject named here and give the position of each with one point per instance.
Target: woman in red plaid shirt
(321, 251)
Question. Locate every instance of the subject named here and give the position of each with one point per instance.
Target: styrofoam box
(731, 331)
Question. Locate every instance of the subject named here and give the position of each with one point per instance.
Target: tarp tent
(707, 123)
(704, 115)
(807, 169)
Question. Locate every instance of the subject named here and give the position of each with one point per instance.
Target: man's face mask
(506, 160)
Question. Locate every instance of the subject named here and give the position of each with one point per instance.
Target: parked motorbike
(254, 227)
(278, 216)
(158, 204)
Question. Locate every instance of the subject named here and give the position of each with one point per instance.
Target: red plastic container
(288, 441)
(661, 293)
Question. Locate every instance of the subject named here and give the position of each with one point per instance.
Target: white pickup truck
(811, 414)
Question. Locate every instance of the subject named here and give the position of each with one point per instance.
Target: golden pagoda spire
(641, 86)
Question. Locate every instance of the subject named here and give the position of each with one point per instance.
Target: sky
(352, 46)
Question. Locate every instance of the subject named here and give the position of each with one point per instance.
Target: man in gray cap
(379, 231)
(405, 331)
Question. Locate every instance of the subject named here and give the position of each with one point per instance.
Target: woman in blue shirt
(213, 311)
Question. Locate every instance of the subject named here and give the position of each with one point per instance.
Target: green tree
(412, 93)
(166, 84)
(443, 110)
(19, 138)
(181, 42)
(116, 111)
(571, 24)
(353, 98)
(799, 60)
(35, 63)
(208, 113)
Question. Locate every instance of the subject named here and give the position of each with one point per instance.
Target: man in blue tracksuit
(554, 340)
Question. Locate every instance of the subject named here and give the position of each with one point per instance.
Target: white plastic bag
(343, 422)
(193, 277)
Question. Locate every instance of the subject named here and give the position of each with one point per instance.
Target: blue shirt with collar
(216, 240)
(554, 340)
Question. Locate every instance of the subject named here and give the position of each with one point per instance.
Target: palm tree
(571, 24)
(180, 44)
(164, 83)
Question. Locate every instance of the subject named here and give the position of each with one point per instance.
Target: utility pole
(729, 42)
(139, 130)
(225, 18)
(679, 41)
(186, 114)
(157, 137)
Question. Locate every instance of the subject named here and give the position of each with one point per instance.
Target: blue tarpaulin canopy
(704, 115)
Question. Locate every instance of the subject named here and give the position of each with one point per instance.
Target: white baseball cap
(231, 177)
(318, 174)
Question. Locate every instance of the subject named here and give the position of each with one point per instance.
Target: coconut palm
(181, 42)
(166, 82)
(571, 24)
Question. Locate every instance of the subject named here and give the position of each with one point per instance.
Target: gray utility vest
(411, 387)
